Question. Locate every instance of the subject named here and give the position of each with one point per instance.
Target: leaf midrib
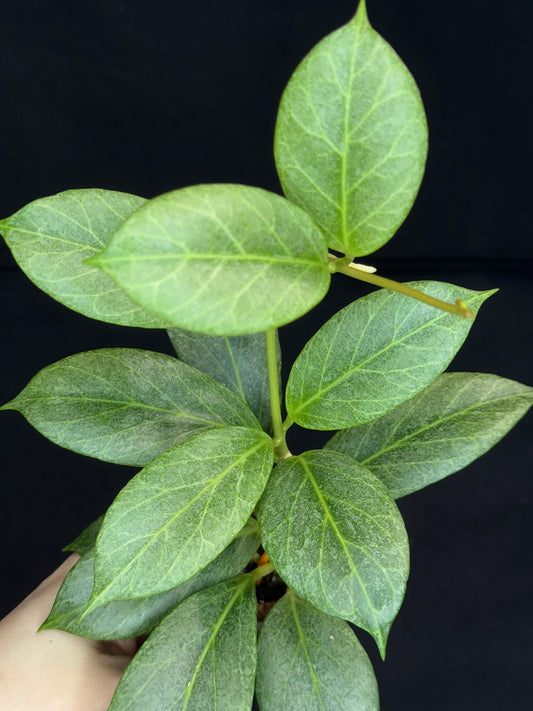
(348, 373)
(198, 256)
(210, 642)
(212, 483)
(438, 422)
(324, 504)
(301, 639)
(118, 403)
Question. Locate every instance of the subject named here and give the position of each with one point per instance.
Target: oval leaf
(179, 513)
(52, 237)
(351, 138)
(131, 618)
(202, 656)
(125, 405)
(374, 354)
(310, 661)
(336, 537)
(239, 362)
(220, 259)
(455, 420)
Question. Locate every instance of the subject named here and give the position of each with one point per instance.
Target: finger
(35, 608)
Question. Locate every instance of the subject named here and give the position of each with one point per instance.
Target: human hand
(52, 670)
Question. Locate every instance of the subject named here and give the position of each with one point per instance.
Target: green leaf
(201, 657)
(52, 237)
(226, 260)
(84, 543)
(351, 138)
(179, 513)
(336, 537)
(125, 405)
(310, 661)
(239, 362)
(374, 354)
(132, 618)
(455, 420)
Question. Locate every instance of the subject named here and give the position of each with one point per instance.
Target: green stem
(460, 308)
(288, 422)
(280, 445)
(262, 571)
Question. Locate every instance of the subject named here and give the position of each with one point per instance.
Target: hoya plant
(247, 568)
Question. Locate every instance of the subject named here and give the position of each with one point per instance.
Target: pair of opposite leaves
(350, 148)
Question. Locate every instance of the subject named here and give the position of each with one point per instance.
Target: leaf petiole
(280, 445)
(460, 308)
(261, 571)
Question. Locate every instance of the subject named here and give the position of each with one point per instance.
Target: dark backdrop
(145, 97)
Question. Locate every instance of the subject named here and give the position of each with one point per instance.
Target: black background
(146, 97)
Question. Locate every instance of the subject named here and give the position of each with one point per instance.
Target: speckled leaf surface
(375, 354)
(52, 237)
(201, 657)
(84, 543)
(336, 537)
(130, 618)
(240, 362)
(311, 661)
(125, 405)
(351, 138)
(226, 260)
(455, 420)
(179, 513)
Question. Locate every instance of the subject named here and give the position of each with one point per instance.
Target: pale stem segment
(280, 444)
(460, 307)
(261, 572)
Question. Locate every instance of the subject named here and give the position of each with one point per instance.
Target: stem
(280, 445)
(460, 308)
(262, 571)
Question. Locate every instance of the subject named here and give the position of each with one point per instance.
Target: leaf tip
(381, 636)
(10, 405)
(47, 624)
(93, 604)
(361, 15)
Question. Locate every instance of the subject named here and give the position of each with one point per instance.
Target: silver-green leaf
(225, 260)
(455, 420)
(125, 405)
(311, 661)
(52, 237)
(179, 513)
(336, 537)
(131, 618)
(202, 656)
(351, 138)
(240, 362)
(375, 354)
(84, 543)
